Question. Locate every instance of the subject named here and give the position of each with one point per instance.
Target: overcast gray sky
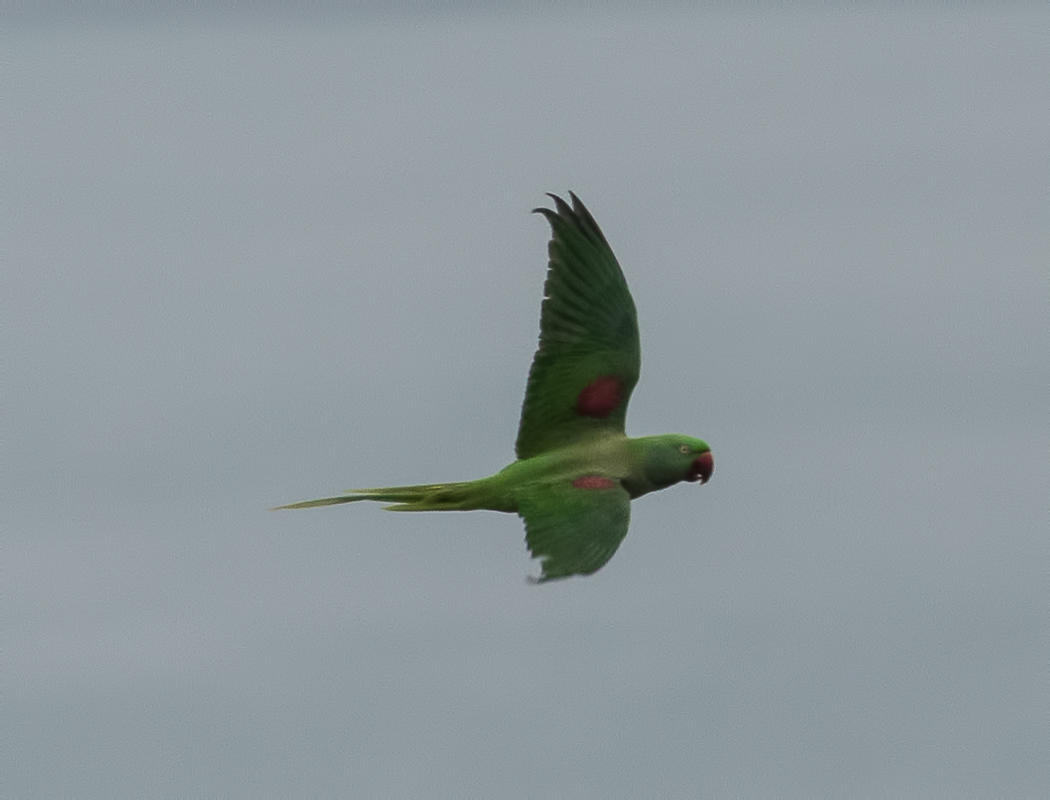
(255, 260)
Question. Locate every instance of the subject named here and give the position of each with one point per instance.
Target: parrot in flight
(576, 470)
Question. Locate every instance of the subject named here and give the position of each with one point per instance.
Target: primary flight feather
(576, 470)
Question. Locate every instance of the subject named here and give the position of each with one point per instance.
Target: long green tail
(425, 497)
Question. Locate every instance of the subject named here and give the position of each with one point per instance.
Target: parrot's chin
(702, 468)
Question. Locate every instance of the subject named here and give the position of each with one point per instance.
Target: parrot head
(673, 457)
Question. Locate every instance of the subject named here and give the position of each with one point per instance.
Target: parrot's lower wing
(588, 360)
(574, 527)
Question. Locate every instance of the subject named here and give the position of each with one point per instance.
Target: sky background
(250, 260)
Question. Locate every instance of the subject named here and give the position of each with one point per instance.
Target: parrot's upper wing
(575, 528)
(588, 360)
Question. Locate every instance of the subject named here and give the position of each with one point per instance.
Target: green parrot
(576, 471)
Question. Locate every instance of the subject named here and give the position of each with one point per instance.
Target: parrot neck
(650, 470)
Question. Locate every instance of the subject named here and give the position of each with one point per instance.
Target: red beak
(702, 469)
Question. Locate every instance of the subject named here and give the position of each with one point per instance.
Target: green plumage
(588, 328)
(576, 471)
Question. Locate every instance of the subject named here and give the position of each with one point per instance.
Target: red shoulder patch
(600, 397)
(593, 482)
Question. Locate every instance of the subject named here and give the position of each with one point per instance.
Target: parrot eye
(683, 449)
